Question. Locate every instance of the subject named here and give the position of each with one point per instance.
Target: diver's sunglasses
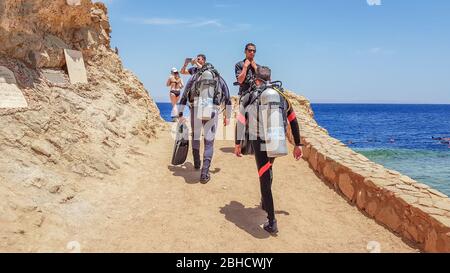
(251, 50)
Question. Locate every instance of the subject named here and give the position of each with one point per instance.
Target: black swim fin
(181, 147)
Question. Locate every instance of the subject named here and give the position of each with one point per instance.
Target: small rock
(67, 199)
(393, 172)
(407, 180)
(442, 205)
(42, 148)
(406, 187)
(421, 186)
(444, 220)
(55, 189)
(345, 184)
(437, 193)
(408, 198)
(20, 231)
(100, 167)
(112, 165)
(38, 183)
(426, 202)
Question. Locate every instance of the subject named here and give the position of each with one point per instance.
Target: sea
(411, 139)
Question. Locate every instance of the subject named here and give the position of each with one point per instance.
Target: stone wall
(414, 211)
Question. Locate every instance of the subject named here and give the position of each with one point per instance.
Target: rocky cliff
(68, 131)
(36, 32)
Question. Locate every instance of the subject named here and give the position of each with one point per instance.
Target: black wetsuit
(263, 162)
(245, 86)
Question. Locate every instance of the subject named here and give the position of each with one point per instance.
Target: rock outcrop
(36, 32)
(68, 131)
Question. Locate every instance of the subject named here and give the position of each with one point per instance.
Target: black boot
(197, 161)
(271, 227)
(205, 176)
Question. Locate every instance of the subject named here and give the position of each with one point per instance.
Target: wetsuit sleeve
(238, 70)
(241, 120)
(185, 97)
(295, 128)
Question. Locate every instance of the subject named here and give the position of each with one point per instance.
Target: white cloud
(204, 23)
(190, 23)
(374, 2)
(159, 21)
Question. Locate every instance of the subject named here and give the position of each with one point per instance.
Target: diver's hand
(237, 150)
(254, 65)
(247, 63)
(298, 152)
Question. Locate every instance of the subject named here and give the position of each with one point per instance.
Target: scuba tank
(272, 117)
(205, 100)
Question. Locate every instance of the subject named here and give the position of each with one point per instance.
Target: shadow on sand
(188, 172)
(248, 219)
(227, 150)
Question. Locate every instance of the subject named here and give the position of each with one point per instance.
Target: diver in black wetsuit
(263, 162)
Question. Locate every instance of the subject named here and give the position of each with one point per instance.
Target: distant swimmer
(392, 140)
(441, 138)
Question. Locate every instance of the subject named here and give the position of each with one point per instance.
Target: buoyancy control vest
(205, 93)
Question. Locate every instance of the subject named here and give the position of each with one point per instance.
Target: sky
(331, 51)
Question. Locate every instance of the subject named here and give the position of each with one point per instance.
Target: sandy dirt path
(151, 206)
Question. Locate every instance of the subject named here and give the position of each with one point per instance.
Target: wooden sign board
(10, 94)
(57, 77)
(73, 2)
(75, 66)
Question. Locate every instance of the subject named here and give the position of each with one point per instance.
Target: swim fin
(181, 147)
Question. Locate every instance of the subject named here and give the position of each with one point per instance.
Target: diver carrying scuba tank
(206, 92)
(269, 111)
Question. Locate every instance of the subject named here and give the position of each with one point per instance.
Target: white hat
(174, 70)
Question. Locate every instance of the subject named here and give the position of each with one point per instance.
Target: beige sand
(162, 208)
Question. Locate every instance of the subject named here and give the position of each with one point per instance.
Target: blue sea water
(400, 137)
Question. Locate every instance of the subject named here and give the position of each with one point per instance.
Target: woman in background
(175, 84)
